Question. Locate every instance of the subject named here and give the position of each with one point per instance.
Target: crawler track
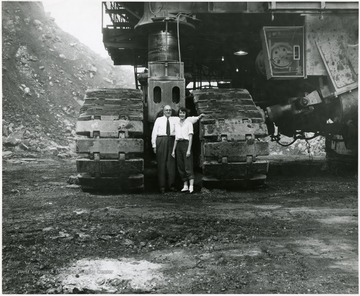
(110, 144)
(232, 136)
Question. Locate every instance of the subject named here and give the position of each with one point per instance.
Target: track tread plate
(235, 170)
(109, 128)
(117, 93)
(112, 101)
(234, 129)
(121, 113)
(134, 183)
(109, 146)
(253, 182)
(235, 150)
(226, 103)
(110, 167)
(124, 103)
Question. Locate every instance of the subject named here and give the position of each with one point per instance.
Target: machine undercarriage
(249, 66)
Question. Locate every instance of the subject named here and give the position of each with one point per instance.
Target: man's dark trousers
(165, 162)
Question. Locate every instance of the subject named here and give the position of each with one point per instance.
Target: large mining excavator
(256, 69)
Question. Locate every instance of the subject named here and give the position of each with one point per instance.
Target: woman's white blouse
(183, 130)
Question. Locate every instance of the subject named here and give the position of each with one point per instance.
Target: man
(162, 140)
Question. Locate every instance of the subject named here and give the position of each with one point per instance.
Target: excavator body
(255, 69)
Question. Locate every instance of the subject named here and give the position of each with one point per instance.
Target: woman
(183, 141)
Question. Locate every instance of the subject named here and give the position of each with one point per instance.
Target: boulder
(6, 154)
(37, 23)
(73, 180)
(13, 139)
(108, 80)
(27, 91)
(93, 69)
(33, 59)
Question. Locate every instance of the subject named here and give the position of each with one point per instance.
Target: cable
(178, 35)
(178, 31)
(277, 140)
(296, 137)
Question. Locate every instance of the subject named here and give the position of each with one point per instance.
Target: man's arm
(174, 147)
(154, 135)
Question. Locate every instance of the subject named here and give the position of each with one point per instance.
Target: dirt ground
(297, 234)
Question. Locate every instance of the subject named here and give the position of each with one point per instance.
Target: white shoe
(191, 189)
(185, 189)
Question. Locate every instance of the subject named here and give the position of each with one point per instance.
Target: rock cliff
(45, 73)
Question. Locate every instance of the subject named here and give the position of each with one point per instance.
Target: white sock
(185, 188)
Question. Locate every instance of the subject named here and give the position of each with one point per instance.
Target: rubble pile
(17, 141)
(45, 75)
(313, 147)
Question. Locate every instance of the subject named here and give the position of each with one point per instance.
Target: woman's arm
(194, 119)
(188, 152)
(173, 151)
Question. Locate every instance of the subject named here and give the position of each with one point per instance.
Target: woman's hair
(183, 109)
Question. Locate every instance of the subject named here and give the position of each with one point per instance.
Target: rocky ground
(298, 234)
